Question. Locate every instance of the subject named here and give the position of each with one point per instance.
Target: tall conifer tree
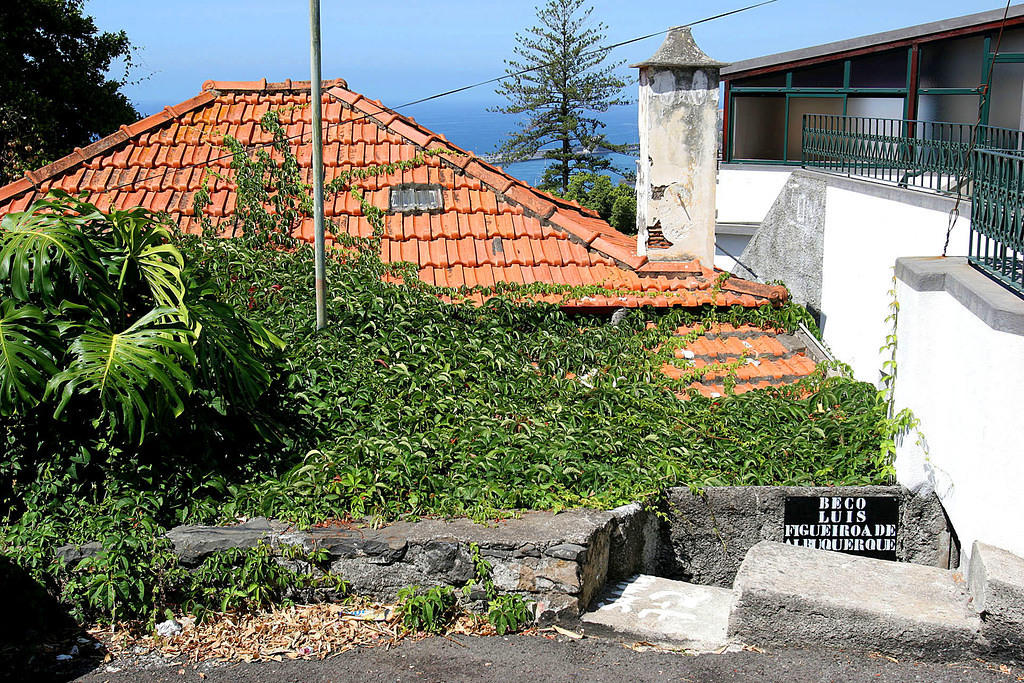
(567, 82)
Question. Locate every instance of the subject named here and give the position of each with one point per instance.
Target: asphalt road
(526, 658)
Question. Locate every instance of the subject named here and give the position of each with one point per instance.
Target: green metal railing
(926, 155)
(997, 215)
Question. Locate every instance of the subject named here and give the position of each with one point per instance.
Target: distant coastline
(471, 126)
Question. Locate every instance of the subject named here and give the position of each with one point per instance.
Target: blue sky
(404, 49)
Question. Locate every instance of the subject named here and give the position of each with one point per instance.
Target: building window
(758, 122)
(952, 63)
(416, 198)
(879, 70)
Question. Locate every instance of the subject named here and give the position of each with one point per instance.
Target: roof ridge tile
(126, 133)
(500, 181)
(522, 195)
(264, 85)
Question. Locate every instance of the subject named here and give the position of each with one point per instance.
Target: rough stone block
(560, 576)
(794, 596)
(193, 544)
(997, 587)
(568, 551)
(635, 542)
(382, 583)
(555, 607)
(72, 554)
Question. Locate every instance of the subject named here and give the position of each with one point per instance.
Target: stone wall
(560, 561)
(557, 561)
(707, 535)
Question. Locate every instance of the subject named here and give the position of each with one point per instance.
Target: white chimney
(676, 174)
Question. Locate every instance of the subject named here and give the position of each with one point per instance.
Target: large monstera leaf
(26, 363)
(135, 374)
(143, 244)
(44, 248)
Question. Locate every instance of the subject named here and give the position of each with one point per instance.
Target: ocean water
(471, 126)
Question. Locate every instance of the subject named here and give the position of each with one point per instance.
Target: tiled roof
(493, 228)
(756, 358)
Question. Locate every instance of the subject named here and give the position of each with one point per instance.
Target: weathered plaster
(676, 174)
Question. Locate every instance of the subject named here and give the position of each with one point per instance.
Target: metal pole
(318, 162)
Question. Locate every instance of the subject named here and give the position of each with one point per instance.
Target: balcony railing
(997, 215)
(925, 155)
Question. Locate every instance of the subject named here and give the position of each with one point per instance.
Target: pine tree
(567, 81)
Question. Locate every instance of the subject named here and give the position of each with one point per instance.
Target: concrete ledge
(997, 586)
(794, 596)
(992, 303)
(670, 613)
(883, 190)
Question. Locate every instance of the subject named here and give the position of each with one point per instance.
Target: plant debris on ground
(297, 632)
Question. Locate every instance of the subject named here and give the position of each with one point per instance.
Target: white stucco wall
(745, 193)
(963, 380)
(865, 232)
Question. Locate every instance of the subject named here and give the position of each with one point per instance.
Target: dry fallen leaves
(297, 632)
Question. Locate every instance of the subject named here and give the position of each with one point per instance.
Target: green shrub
(248, 579)
(431, 611)
(508, 613)
(614, 203)
(102, 322)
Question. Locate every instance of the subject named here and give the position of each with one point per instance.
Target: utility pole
(318, 163)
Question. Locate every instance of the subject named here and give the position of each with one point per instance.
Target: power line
(329, 126)
(599, 50)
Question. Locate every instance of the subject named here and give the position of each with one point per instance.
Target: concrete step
(662, 612)
(795, 596)
(997, 588)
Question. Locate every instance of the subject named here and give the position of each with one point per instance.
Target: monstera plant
(102, 320)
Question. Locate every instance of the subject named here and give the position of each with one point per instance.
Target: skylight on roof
(416, 198)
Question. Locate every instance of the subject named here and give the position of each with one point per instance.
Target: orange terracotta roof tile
(755, 358)
(493, 228)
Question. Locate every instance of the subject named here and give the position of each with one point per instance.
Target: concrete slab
(997, 587)
(663, 612)
(795, 596)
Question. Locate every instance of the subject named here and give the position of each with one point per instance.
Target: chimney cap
(679, 50)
